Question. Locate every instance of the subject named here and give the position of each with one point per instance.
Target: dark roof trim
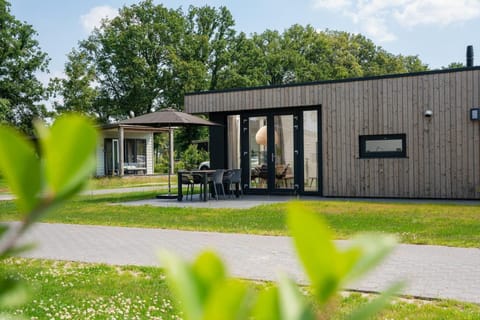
(132, 127)
(388, 76)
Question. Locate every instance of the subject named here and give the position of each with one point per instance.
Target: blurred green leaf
(209, 271)
(3, 229)
(68, 151)
(227, 300)
(316, 249)
(370, 309)
(203, 289)
(267, 305)
(20, 166)
(184, 285)
(16, 250)
(13, 293)
(374, 248)
(293, 304)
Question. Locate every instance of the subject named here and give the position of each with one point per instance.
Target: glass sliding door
(310, 150)
(281, 151)
(233, 142)
(284, 151)
(257, 152)
(111, 157)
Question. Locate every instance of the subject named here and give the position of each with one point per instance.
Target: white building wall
(148, 136)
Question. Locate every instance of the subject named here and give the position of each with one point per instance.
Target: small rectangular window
(383, 146)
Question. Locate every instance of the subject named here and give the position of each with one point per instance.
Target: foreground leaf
(227, 300)
(316, 250)
(13, 293)
(184, 285)
(267, 305)
(370, 309)
(293, 304)
(20, 166)
(374, 248)
(68, 150)
(209, 271)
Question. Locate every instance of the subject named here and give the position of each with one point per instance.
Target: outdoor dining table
(203, 173)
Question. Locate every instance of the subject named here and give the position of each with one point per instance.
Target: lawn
(438, 224)
(117, 182)
(130, 181)
(71, 290)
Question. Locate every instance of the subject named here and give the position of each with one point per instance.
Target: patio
(250, 201)
(245, 202)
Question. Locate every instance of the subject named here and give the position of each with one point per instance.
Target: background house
(134, 142)
(408, 135)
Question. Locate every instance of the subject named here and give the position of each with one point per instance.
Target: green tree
(20, 58)
(76, 90)
(454, 65)
(128, 60)
(200, 60)
(301, 54)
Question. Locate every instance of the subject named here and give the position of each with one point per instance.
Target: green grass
(67, 290)
(71, 290)
(117, 182)
(129, 181)
(439, 224)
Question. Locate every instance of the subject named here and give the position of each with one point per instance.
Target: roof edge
(311, 83)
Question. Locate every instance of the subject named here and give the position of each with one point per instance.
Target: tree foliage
(20, 58)
(149, 56)
(302, 54)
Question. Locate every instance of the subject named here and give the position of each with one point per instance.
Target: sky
(438, 31)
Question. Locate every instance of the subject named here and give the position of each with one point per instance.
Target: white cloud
(331, 4)
(375, 18)
(377, 29)
(95, 16)
(437, 12)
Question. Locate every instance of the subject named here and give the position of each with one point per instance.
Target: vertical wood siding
(443, 151)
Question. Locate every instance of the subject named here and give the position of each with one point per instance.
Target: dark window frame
(385, 154)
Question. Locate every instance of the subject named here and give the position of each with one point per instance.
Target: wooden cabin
(396, 136)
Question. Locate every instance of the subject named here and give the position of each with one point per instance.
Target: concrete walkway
(8, 196)
(431, 271)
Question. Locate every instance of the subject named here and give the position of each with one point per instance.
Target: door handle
(296, 152)
(273, 158)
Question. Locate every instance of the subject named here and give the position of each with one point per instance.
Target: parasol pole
(171, 160)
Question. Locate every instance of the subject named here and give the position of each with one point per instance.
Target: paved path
(431, 271)
(9, 196)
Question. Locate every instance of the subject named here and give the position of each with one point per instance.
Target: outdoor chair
(281, 172)
(217, 182)
(188, 181)
(235, 179)
(198, 179)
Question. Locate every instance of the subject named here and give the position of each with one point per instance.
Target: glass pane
(391, 145)
(233, 141)
(129, 158)
(115, 159)
(284, 152)
(108, 156)
(310, 150)
(257, 152)
(141, 149)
